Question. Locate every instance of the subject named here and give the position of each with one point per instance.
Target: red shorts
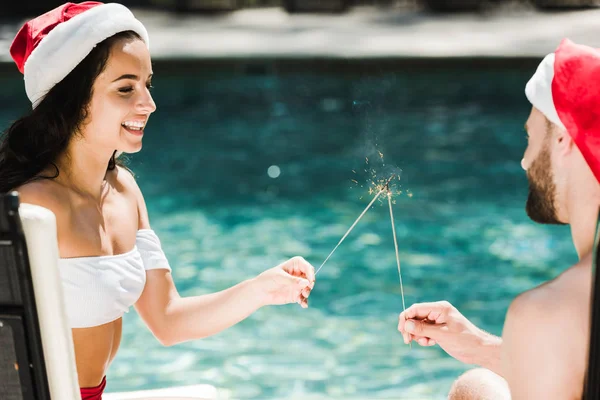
(93, 393)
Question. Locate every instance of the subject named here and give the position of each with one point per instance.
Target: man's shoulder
(568, 291)
(556, 312)
(546, 330)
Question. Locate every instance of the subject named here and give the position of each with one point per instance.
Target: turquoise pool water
(457, 137)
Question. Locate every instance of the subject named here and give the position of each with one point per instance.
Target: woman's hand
(289, 282)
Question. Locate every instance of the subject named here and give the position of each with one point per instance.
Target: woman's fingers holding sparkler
(423, 341)
(298, 266)
(289, 282)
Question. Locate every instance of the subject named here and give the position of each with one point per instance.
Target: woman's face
(121, 102)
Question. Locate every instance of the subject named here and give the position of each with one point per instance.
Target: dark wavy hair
(35, 141)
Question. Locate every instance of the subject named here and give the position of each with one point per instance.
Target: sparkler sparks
(374, 181)
(378, 184)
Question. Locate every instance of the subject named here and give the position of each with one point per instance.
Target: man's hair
(35, 141)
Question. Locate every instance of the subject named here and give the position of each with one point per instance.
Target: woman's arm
(174, 319)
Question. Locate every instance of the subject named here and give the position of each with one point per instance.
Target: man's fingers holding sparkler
(423, 332)
(422, 321)
(441, 323)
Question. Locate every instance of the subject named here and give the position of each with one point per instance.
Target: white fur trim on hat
(539, 90)
(70, 42)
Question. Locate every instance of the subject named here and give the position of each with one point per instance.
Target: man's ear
(563, 141)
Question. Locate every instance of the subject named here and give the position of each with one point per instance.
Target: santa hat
(566, 89)
(49, 47)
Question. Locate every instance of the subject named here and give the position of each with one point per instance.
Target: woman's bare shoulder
(124, 180)
(45, 193)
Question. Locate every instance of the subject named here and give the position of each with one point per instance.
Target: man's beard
(542, 191)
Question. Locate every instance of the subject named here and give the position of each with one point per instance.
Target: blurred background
(29, 7)
(274, 118)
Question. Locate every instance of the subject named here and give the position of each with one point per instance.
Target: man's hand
(441, 323)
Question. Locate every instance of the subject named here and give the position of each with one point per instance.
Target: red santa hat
(566, 89)
(47, 48)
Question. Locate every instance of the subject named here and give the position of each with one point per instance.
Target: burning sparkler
(378, 187)
(381, 190)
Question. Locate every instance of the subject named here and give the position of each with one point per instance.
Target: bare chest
(96, 230)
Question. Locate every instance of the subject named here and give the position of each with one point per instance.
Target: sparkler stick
(384, 188)
(396, 248)
(397, 255)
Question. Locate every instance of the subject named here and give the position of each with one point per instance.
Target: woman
(88, 75)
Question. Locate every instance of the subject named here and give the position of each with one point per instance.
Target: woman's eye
(126, 89)
(149, 86)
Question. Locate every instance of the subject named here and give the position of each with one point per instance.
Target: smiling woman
(88, 73)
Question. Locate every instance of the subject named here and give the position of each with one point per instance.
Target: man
(543, 350)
